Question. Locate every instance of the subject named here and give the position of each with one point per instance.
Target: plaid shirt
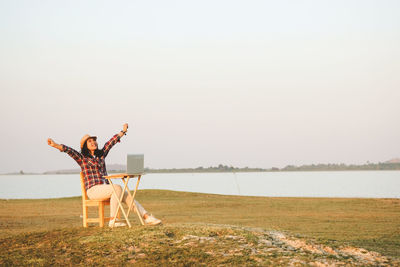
(93, 168)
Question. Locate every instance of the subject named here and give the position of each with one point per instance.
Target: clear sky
(243, 83)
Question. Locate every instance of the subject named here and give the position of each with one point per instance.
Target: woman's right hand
(50, 142)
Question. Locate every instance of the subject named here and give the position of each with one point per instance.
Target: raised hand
(125, 127)
(50, 142)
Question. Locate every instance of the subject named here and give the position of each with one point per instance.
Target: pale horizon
(257, 84)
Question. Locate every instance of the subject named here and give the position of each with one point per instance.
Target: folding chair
(86, 202)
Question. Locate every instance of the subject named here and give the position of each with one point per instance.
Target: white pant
(105, 191)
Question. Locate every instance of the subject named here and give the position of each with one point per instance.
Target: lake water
(363, 184)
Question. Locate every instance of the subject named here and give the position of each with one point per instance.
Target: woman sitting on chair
(92, 162)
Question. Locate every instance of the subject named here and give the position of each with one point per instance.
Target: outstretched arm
(115, 139)
(63, 148)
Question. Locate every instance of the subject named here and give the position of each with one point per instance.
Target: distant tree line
(343, 167)
(219, 168)
(385, 166)
(313, 167)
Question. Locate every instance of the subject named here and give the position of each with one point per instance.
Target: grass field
(373, 224)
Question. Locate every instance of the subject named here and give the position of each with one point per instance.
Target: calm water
(365, 184)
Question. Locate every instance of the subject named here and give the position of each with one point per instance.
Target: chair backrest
(84, 195)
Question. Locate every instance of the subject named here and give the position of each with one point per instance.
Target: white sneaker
(151, 220)
(116, 224)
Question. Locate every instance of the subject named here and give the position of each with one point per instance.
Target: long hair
(86, 153)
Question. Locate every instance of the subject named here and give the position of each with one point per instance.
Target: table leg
(133, 202)
(119, 204)
(129, 194)
(126, 188)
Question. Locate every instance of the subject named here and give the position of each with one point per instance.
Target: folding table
(125, 177)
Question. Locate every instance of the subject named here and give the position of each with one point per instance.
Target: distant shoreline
(229, 169)
(172, 172)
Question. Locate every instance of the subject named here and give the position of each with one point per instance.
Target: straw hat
(86, 137)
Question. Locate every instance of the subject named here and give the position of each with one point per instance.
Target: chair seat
(106, 201)
(93, 203)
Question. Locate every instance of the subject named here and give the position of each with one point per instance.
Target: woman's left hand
(125, 127)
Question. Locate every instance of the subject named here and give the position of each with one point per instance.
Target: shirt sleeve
(73, 154)
(107, 146)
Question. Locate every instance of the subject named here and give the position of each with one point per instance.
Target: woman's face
(91, 144)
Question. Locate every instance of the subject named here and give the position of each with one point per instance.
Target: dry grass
(373, 224)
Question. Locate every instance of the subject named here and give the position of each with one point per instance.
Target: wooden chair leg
(85, 215)
(101, 214)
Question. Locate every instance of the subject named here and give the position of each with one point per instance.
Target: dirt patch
(179, 245)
